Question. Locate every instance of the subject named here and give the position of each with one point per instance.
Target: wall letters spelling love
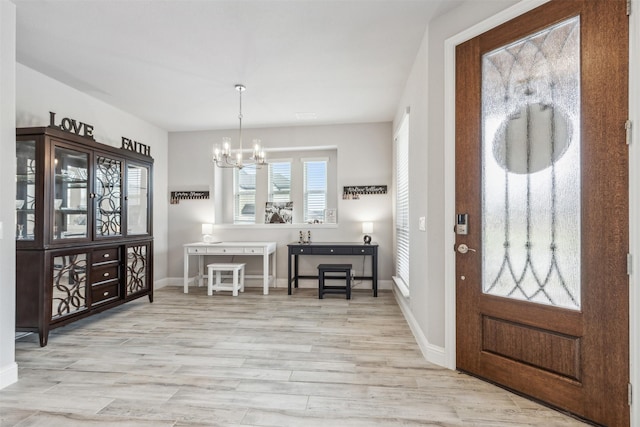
(71, 125)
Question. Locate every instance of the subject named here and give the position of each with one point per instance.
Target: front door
(542, 202)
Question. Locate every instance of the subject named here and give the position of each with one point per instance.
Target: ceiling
(175, 63)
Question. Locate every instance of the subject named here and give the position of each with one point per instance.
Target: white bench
(238, 278)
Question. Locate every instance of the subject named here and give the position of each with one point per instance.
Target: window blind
(402, 202)
(315, 189)
(244, 195)
(280, 181)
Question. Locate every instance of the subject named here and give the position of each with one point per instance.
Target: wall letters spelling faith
(71, 125)
(136, 146)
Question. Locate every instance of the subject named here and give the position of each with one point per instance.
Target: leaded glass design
(531, 168)
(108, 196)
(69, 285)
(136, 269)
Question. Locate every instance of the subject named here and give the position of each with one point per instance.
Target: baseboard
(431, 353)
(8, 375)
(280, 283)
(159, 284)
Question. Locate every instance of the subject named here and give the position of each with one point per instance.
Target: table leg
(289, 272)
(374, 273)
(265, 273)
(295, 270)
(186, 272)
(200, 269)
(273, 268)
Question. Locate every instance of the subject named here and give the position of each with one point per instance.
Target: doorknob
(463, 249)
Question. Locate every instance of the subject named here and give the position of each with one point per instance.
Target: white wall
(364, 158)
(8, 367)
(424, 94)
(37, 95)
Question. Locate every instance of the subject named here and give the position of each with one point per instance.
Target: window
(402, 203)
(280, 181)
(303, 179)
(244, 195)
(315, 189)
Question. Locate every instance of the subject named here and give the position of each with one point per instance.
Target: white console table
(200, 249)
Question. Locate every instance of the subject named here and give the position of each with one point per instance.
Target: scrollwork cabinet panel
(138, 276)
(69, 285)
(108, 197)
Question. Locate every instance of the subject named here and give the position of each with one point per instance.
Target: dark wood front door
(542, 175)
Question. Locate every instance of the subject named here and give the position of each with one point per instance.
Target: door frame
(634, 182)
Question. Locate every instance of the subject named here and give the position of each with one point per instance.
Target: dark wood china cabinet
(84, 240)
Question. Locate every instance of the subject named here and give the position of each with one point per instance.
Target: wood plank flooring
(252, 360)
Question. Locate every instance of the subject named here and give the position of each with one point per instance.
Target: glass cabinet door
(70, 194)
(25, 189)
(137, 199)
(108, 197)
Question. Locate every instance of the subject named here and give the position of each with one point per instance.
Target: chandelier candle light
(224, 158)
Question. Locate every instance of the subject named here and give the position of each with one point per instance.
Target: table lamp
(207, 233)
(367, 229)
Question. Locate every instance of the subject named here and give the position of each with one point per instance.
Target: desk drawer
(301, 251)
(196, 250)
(253, 250)
(333, 251)
(228, 251)
(363, 251)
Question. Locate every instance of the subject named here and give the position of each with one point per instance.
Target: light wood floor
(252, 360)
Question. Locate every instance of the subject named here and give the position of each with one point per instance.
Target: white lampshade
(207, 228)
(367, 227)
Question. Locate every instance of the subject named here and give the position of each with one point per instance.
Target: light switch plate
(422, 224)
(1, 231)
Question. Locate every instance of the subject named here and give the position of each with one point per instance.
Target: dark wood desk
(331, 248)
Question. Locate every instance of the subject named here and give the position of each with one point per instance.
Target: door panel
(542, 296)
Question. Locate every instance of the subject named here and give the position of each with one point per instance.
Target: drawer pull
(362, 250)
(301, 250)
(106, 294)
(106, 275)
(331, 250)
(106, 256)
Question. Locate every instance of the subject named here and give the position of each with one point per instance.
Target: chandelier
(225, 158)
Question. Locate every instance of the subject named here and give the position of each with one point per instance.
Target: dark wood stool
(337, 271)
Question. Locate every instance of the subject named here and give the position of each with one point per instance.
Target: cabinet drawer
(105, 255)
(363, 251)
(253, 250)
(105, 292)
(332, 251)
(229, 251)
(102, 274)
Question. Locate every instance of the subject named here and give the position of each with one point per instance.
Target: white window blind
(280, 181)
(244, 195)
(402, 202)
(315, 189)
